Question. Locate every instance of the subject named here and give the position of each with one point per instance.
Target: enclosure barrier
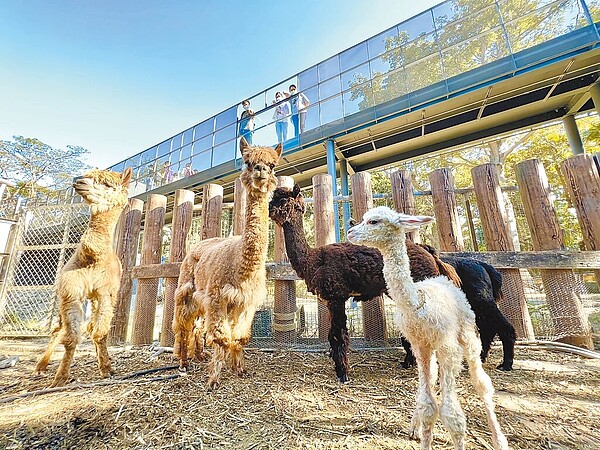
(562, 293)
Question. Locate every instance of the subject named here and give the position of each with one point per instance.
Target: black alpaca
(336, 272)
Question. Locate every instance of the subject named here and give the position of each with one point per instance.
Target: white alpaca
(438, 321)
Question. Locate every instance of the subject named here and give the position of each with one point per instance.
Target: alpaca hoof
(344, 378)
(507, 367)
(59, 381)
(242, 373)
(213, 385)
(407, 364)
(183, 370)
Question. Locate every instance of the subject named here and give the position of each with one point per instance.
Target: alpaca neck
(97, 240)
(396, 271)
(254, 238)
(296, 246)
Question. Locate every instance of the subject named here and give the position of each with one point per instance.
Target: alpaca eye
(249, 165)
(373, 222)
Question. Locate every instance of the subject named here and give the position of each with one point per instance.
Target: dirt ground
(290, 401)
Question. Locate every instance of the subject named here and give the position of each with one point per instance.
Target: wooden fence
(557, 264)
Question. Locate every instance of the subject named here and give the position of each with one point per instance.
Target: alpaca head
(382, 225)
(285, 204)
(259, 166)
(103, 189)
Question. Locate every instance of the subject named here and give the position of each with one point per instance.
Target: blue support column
(331, 170)
(345, 191)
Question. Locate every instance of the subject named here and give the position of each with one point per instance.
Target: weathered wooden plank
(166, 270)
(553, 259)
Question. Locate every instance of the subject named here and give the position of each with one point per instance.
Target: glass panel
(382, 42)
(424, 72)
(225, 134)
(204, 128)
(542, 25)
(307, 78)
(186, 169)
(312, 117)
(223, 153)
(419, 48)
(282, 87)
(329, 88)
(386, 62)
(415, 27)
(473, 22)
(164, 148)
(594, 7)
(225, 118)
(119, 167)
(331, 110)
(202, 144)
(258, 102)
(474, 53)
(201, 161)
(148, 155)
(354, 56)
(176, 141)
(358, 99)
(265, 135)
(188, 136)
(186, 152)
(355, 76)
(329, 68)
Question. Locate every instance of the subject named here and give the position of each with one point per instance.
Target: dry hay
(290, 401)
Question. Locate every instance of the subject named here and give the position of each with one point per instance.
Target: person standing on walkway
(299, 104)
(280, 115)
(246, 128)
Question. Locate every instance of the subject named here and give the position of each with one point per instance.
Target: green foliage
(36, 167)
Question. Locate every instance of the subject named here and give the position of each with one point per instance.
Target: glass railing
(446, 49)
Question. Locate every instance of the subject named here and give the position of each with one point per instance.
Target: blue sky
(117, 77)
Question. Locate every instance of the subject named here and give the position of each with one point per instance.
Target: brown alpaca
(94, 272)
(222, 280)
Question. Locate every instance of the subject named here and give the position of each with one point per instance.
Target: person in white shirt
(280, 115)
(299, 104)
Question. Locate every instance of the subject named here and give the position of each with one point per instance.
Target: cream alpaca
(222, 280)
(94, 272)
(436, 318)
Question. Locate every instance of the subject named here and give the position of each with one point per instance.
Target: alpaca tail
(444, 268)
(496, 278)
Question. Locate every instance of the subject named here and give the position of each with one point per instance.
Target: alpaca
(482, 284)
(94, 272)
(335, 272)
(437, 319)
(222, 280)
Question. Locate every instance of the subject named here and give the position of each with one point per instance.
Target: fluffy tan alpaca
(94, 272)
(222, 280)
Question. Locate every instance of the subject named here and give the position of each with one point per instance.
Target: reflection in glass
(225, 118)
(353, 56)
(186, 152)
(164, 148)
(357, 99)
(188, 136)
(223, 153)
(202, 144)
(424, 73)
(355, 76)
(176, 141)
(379, 44)
(201, 161)
(312, 117)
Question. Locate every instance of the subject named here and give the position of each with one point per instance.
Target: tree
(36, 167)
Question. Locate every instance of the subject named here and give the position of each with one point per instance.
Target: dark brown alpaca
(336, 272)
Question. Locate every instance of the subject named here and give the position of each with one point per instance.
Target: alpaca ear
(296, 191)
(244, 147)
(413, 222)
(126, 176)
(279, 150)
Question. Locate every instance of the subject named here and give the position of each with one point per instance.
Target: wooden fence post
(403, 194)
(212, 209)
(559, 285)
(486, 181)
(183, 210)
(284, 307)
(324, 233)
(239, 207)
(373, 311)
(145, 304)
(128, 237)
(446, 211)
(583, 188)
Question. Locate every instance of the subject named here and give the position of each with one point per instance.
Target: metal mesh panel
(46, 239)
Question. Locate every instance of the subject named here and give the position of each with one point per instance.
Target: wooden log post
(239, 207)
(324, 233)
(559, 285)
(446, 210)
(212, 210)
(128, 236)
(490, 201)
(183, 210)
(403, 195)
(284, 307)
(583, 188)
(145, 305)
(373, 311)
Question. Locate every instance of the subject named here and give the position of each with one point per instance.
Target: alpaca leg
(409, 359)
(99, 327)
(54, 340)
(508, 336)
(426, 409)
(451, 413)
(71, 313)
(338, 338)
(218, 335)
(483, 384)
(487, 337)
(186, 310)
(240, 335)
